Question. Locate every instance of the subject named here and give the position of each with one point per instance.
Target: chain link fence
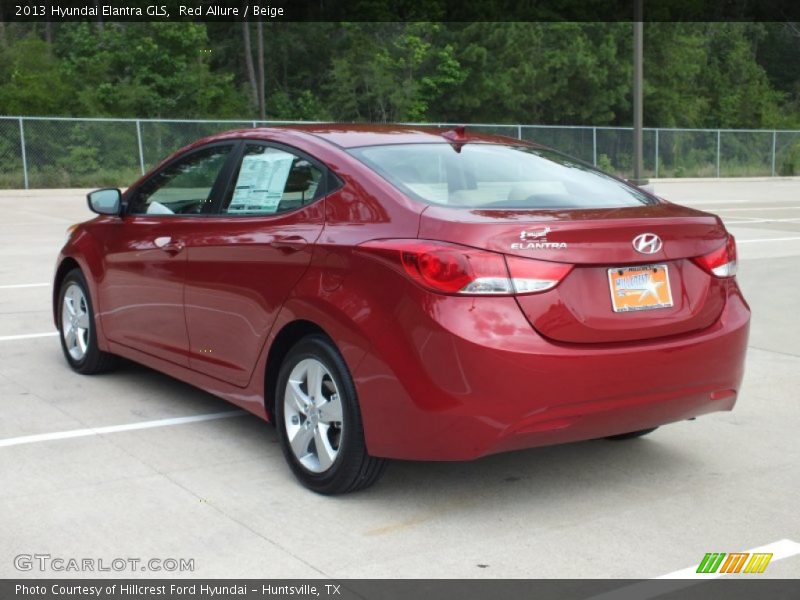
(64, 152)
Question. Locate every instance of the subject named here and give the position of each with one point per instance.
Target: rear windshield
(480, 175)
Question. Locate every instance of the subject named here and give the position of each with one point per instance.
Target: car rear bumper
(454, 378)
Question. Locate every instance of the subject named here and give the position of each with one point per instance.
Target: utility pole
(638, 71)
(262, 98)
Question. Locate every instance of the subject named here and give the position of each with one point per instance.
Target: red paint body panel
(439, 377)
(239, 274)
(579, 309)
(593, 236)
(475, 392)
(456, 378)
(140, 296)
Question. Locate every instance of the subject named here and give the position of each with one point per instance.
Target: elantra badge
(647, 243)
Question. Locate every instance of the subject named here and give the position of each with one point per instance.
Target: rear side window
(272, 181)
(486, 176)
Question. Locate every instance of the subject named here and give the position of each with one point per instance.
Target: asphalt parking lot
(217, 490)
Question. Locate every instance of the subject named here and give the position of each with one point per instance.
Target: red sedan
(398, 292)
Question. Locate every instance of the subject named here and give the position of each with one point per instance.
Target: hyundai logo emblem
(647, 243)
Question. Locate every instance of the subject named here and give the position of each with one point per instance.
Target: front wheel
(77, 329)
(319, 421)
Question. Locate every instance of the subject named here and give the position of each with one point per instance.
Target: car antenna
(457, 136)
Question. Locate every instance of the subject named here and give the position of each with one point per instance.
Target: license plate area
(642, 287)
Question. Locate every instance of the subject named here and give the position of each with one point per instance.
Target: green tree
(570, 73)
(736, 86)
(148, 70)
(33, 81)
(778, 53)
(696, 74)
(674, 60)
(391, 71)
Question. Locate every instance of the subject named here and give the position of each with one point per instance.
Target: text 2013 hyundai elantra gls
(397, 292)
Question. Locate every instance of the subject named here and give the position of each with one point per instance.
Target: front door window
(184, 187)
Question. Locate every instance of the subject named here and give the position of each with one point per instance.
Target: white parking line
(688, 577)
(758, 220)
(23, 285)
(757, 208)
(61, 435)
(27, 336)
(783, 239)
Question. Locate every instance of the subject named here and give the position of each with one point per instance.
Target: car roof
(353, 135)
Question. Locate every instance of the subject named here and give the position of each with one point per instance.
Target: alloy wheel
(75, 321)
(313, 415)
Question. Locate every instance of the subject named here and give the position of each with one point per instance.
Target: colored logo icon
(735, 562)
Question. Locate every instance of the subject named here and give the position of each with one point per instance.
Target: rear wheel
(77, 329)
(631, 435)
(319, 421)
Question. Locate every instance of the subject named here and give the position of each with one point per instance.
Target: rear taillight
(452, 269)
(722, 261)
(530, 276)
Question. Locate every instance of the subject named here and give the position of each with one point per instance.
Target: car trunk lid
(599, 243)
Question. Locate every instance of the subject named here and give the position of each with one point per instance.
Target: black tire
(353, 468)
(94, 360)
(631, 435)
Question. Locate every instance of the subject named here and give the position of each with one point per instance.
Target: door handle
(168, 245)
(291, 243)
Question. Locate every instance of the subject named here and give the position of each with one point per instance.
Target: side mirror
(105, 202)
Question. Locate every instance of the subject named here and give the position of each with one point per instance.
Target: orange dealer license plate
(643, 287)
